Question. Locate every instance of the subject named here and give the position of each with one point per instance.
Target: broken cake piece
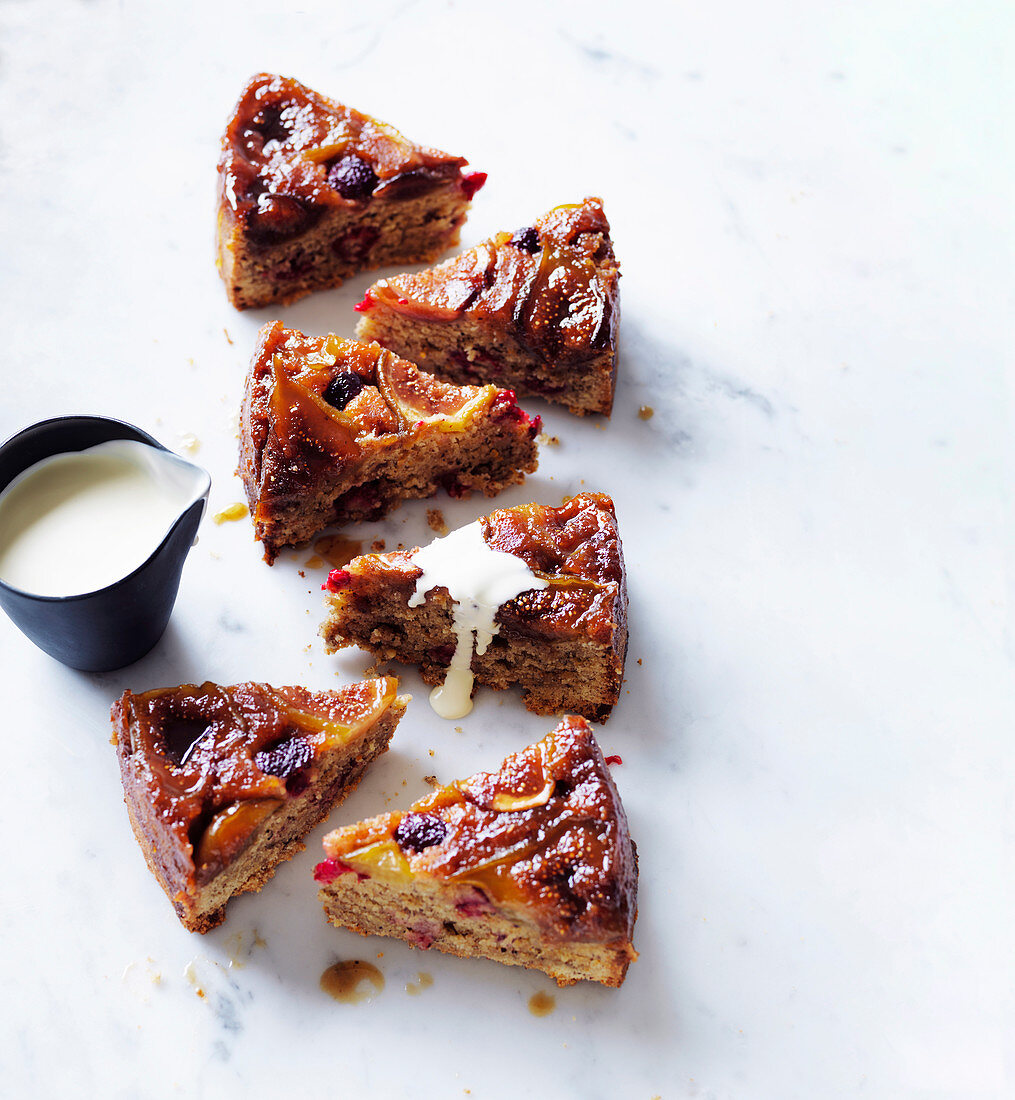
(536, 310)
(532, 596)
(223, 783)
(312, 191)
(334, 432)
(531, 865)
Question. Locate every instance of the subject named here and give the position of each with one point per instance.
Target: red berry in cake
(352, 177)
(476, 904)
(472, 182)
(342, 389)
(297, 783)
(285, 758)
(442, 654)
(455, 487)
(329, 869)
(504, 402)
(526, 239)
(365, 304)
(505, 407)
(614, 760)
(418, 831)
(356, 244)
(337, 580)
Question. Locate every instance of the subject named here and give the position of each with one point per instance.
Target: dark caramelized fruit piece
(564, 644)
(214, 817)
(286, 757)
(278, 218)
(527, 239)
(230, 830)
(532, 864)
(416, 832)
(312, 191)
(343, 388)
(536, 311)
(334, 432)
(352, 177)
(181, 737)
(274, 122)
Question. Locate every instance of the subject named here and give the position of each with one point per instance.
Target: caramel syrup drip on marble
(423, 981)
(345, 981)
(337, 550)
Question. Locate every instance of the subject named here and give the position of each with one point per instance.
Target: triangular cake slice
(223, 783)
(312, 191)
(333, 432)
(536, 310)
(532, 865)
(562, 635)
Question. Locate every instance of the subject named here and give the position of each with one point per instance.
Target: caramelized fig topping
(278, 217)
(411, 185)
(181, 736)
(231, 829)
(272, 122)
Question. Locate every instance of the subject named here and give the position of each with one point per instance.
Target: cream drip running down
(479, 580)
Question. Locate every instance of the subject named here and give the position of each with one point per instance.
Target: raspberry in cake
(556, 622)
(333, 432)
(531, 865)
(536, 310)
(223, 783)
(312, 191)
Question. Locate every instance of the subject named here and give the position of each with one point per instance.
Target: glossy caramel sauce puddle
(233, 512)
(542, 1004)
(423, 981)
(343, 981)
(338, 550)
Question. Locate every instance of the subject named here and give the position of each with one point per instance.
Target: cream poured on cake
(480, 580)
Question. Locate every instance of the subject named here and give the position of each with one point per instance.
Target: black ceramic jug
(116, 625)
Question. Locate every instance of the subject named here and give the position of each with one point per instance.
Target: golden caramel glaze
(576, 548)
(290, 433)
(279, 143)
(545, 835)
(213, 761)
(561, 298)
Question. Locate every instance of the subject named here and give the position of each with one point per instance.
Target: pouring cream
(77, 522)
(479, 579)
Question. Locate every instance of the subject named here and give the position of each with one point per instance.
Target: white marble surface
(811, 203)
